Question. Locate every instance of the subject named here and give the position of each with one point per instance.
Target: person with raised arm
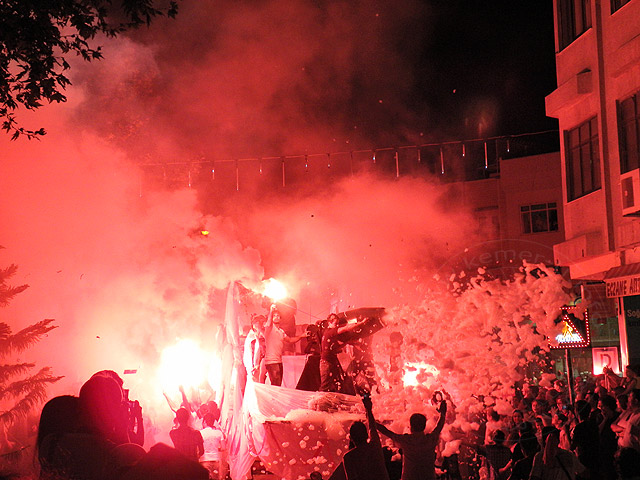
(418, 447)
(332, 376)
(365, 461)
(275, 337)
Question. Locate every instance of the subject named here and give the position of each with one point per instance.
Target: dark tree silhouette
(37, 36)
(22, 387)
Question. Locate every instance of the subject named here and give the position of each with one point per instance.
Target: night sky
(486, 52)
(275, 77)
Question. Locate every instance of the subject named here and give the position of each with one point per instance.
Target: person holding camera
(418, 447)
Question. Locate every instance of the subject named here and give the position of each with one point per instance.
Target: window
(542, 217)
(618, 4)
(629, 133)
(582, 159)
(574, 18)
(488, 221)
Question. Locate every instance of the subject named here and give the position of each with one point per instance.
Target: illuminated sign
(622, 287)
(573, 323)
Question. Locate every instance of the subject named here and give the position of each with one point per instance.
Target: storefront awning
(623, 281)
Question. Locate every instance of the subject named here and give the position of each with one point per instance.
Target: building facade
(597, 104)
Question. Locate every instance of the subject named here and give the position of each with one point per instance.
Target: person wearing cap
(554, 463)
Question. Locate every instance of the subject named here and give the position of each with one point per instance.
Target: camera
(133, 406)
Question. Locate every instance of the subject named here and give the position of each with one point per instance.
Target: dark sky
(500, 51)
(283, 77)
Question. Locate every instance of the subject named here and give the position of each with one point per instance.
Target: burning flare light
(183, 364)
(274, 290)
(419, 373)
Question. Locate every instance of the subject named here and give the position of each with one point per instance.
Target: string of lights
(462, 143)
(468, 159)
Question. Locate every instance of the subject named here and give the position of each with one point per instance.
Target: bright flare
(274, 290)
(182, 364)
(419, 374)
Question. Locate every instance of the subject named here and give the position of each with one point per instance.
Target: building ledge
(594, 268)
(569, 93)
(627, 56)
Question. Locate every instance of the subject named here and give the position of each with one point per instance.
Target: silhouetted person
(608, 439)
(365, 461)
(528, 446)
(585, 440)
(89, 447)
(59, 417)
(418, 448)
(132, 410)
(310, 377)
(628, 464)
(165, 463)
(185, 438)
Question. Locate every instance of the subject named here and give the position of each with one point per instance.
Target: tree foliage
(36, 37)
(21, 389)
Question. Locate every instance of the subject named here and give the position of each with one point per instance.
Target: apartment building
(597, 104)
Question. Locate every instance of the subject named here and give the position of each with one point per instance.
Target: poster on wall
(631, 307)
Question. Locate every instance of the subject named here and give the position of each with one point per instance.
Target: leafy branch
(36, 37)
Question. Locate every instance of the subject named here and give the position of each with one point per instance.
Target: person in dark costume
(361, 369)
(310, 377)
(332, 376)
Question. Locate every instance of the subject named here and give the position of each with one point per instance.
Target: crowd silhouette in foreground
(99, 435)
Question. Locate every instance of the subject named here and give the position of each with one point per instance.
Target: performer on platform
(253, 352)
(310, 377)
(361, 369)
(275, 337)
(332, 377)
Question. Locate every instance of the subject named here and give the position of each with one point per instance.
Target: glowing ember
(183, 364)
(274, 290)
(419, 374)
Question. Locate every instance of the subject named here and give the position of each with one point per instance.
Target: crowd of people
(589, 432)
(98, 435)
(592, 432)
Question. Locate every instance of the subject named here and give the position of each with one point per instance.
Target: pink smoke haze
(124, 269)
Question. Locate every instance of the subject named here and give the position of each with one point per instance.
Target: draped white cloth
(293, 432)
